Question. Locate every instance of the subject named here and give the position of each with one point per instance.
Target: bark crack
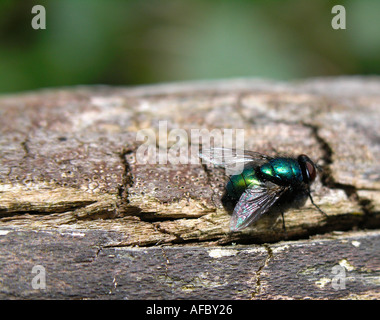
(258, 283)
(127, 181)
(25, 147)
(208, 180)
(327, 177)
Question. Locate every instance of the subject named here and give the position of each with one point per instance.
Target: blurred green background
(139, 42)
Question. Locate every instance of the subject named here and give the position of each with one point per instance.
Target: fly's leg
(319, 209)
(283, 225)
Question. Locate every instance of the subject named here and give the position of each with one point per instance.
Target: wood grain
(68, 166)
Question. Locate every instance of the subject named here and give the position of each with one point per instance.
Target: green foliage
(133, 42)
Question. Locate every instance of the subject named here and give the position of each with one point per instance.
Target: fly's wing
(254, 202)
(233, 160)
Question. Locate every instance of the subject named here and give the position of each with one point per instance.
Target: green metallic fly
(258, 181)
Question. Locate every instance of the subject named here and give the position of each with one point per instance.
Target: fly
(262, 181)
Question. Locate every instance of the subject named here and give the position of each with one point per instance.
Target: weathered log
(69, 177)
(78, 266)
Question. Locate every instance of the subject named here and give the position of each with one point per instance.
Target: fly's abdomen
(238, 183)
(282, 170)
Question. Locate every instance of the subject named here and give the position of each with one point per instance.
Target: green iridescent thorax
(238, 183)
(282, 170)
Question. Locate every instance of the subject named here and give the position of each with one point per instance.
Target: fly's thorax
(237, 184)
(283, 171)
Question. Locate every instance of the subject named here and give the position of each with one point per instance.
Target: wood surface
(74, 199)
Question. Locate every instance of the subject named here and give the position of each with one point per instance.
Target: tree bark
(75, 200)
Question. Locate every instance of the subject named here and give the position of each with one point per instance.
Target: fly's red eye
(308, 168)
(311, 170)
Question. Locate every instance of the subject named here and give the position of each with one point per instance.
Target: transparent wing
(233, 160)
(253, 203)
